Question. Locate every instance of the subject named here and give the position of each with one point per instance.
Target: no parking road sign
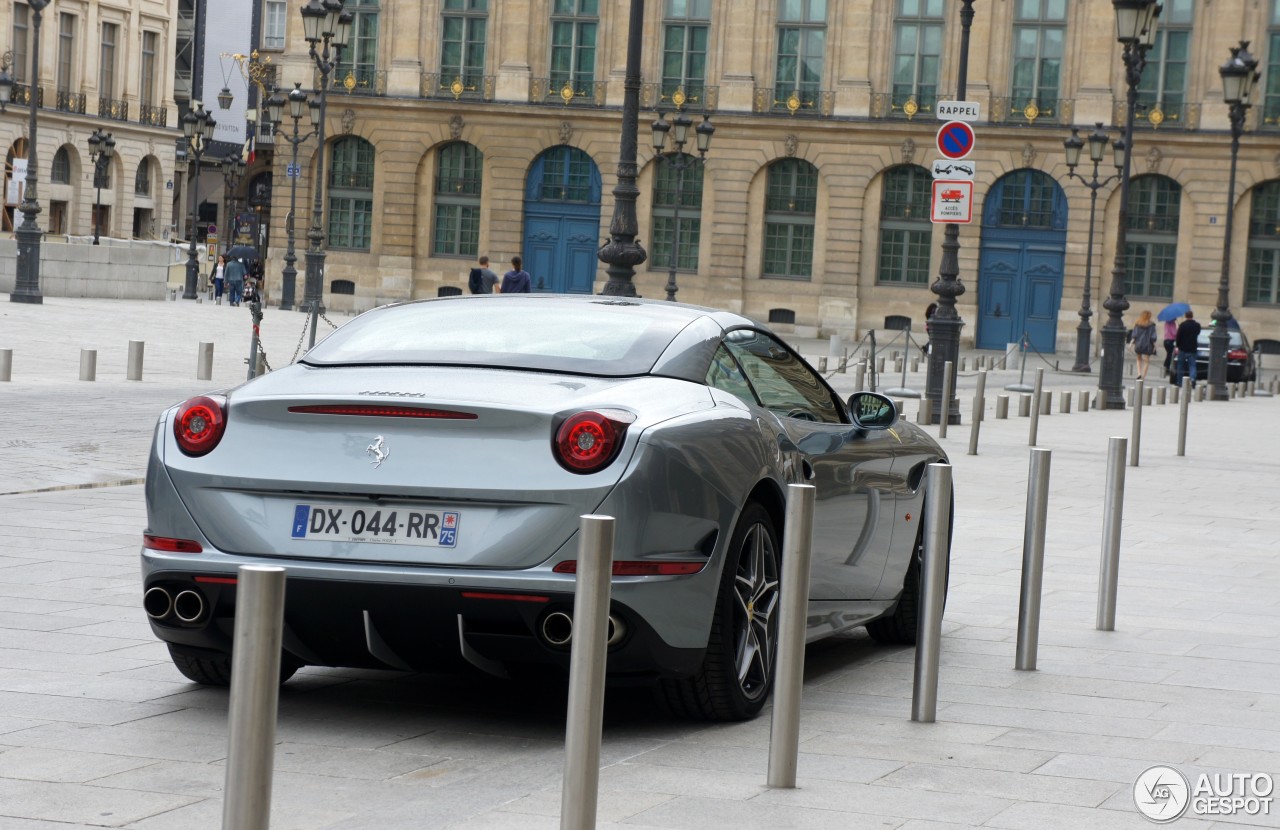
(955, 140)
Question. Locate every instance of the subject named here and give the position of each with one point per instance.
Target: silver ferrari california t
(421, 473)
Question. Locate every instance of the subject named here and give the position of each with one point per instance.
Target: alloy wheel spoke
(747, 655)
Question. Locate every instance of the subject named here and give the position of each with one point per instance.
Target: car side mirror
(872, 411)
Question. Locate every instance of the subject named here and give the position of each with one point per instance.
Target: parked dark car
(1241, 366)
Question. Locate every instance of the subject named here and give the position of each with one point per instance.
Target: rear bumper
(339, 622)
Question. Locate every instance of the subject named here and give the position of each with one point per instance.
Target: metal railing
(71, 101)
(694, 97)
(888, 105)
(457, 87)
(809, 102)
(113, 108)
(154, 116)
(1034, 111)
(567, 93)
(356, 82)
(1159, 115)
(22, 95)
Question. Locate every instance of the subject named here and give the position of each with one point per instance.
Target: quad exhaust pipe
(157, 603)
(188, 606)
(557, 629)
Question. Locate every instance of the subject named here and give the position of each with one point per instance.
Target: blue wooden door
(1024, 239)
(562, 221)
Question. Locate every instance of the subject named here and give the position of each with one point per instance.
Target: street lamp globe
(660, 129)
(1238, 75)
(297, 101)
(705, 131)
(1073, 146)
(1133, 19)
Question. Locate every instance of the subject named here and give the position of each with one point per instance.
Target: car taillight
(1237, 354)
(588, 441)
(170, 544)
(200, 424)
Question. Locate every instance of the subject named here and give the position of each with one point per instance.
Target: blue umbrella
(1172, 312)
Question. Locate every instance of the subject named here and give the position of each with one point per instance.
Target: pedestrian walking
(1187, 341)
(929, 311)
(482, 279)
(235, 274)
(516, 281)
(219, 278)
(1170, 333)
(1143, 338)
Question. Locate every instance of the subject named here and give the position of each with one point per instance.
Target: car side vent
(782, 315)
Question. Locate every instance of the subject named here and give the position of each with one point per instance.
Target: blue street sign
(293, 170)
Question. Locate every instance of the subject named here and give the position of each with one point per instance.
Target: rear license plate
(379, 525)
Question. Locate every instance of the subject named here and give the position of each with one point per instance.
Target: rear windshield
(600, 337)
(1233, 338)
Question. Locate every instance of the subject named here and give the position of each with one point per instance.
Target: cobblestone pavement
(98, 729)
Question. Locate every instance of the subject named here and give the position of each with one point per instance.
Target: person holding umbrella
(1169, 316)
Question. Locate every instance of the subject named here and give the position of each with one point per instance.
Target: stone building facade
(103, 66)
(466, 127)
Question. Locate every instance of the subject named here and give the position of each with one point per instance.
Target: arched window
(677, 213)
(1262, 263)
(457, 224)
(351, 194)
(1026, 200)
(60, 170)
(906, 231)
(567, 175)
(1151, 241)
(142, 182)
(790, 205)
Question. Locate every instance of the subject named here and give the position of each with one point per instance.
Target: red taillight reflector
(508, 597)
(383, 411)
(200, 423)
(588, 441)
(1237, 354)
(172, 545)
(216, 580)
(570, 566)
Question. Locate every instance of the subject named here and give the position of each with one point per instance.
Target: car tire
(900, 627)
(213, 668)
(737, 669)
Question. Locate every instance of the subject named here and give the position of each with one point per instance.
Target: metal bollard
(1134, 450)
(1046, 403)
(1174, 394)
(1033, 560)
(948, 386)
(1109, 570)
(204, 361)
(587, 656)
(1148, 393)
(6, 365)
(797, 549)
(1002, 407)
(979, 407)
(899, 365)
(925, 414)
(1200, 392)
(1064, 403)
(1024, 405)
(1035, 405)
(1084, 400)
(859, 376)
(135, 359)
(1128, 393)
(933, 585)
(879, 365)
(915, 365)
(255, 692)
(822, 364)
(1161, 395)
(964, 364)
(88, 364)
(1182, 416)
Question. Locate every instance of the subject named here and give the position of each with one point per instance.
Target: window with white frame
(147, 86)
(906, 230)
(107, 60)
(351, 194)
(1164, 80)
(21, 33)
(463, 36)
(1271, 75)
(917, 54)
(1262, 262)
(675, 243)
(574, 27)
(360, 58)
(685, 28)
(459, 172)
(791, 203)
(66, 50)
(802, 37)
(1151, 240)
(274, 17)
(1039, 32)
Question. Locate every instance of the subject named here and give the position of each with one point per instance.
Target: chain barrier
(306, 323)
(332, 324)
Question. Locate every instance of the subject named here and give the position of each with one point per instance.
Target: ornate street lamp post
(1097, 148)
(1136, 31)
(233, 167)
(623, 252)
(945, 325)
(324, 25)
(678, 162)
(197, 127)
(101, 148)
(26, 287)
(1239, 74)
(297, 104)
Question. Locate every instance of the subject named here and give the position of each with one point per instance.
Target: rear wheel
(737, 669)
(213, 668)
